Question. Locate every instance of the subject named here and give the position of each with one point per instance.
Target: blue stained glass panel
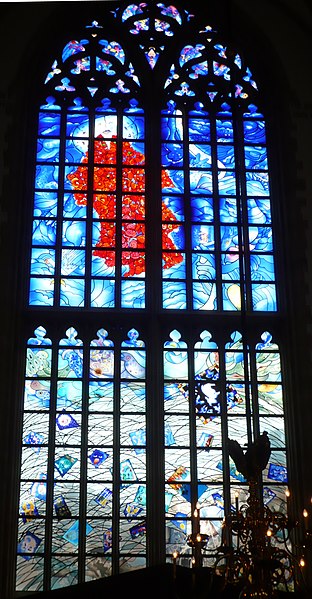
(101, 396)
(75, 150)
(133, 396)
(49, 124)
(45, 204)
(228, 210)
(259, 211)
(237, 429)
(42, 262)
(132, 294)
(41, 291)
(37, 395)
(229, 238)
(203, 266)
(68, 429)
(231, 296)
(264, 297)
(73, 262)
(254, 131)
(46, 177)
(256, 157)
(226, 157)
(200, 181)
(204, 296)
(274, 425)
(199, 130)
(227, 182)
(102, 293)
(106, 126)
(172, 154)
(132, 364)
(100, 464)
(200, 155)
(69, 393)
(209, 465)
(72, 292)
(38, 363)
(235, 397)
(176, 399)
(101, 363)
(230, 268)
(44, 232)
(75, 206)
(172, 129)
(202, 237)
(257, 184)
(133, 127)
(224, 130)
(202, 209)
(175, 362)
(177, 467)
(103, 266)
(74, 233)
(48, 150)
(277, 468)
(260, 239)
(173, 208)
(77, 125)
(176, 430)
(262, 267)
(174, 295)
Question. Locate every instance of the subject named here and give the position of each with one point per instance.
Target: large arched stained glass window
(152, 303)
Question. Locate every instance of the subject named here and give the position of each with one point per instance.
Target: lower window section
(87, 462)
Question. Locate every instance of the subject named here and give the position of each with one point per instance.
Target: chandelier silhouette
(262, 550)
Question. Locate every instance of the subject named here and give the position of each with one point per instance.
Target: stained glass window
(152, 278)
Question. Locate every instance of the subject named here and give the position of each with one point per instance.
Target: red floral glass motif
(133, 206)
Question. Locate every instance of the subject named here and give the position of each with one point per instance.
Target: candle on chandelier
(197, 519)
(305, 518)
(174, 563)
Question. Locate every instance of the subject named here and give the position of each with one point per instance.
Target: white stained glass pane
(177, 430)
(100, 429)
(177, 466)
(209, 465)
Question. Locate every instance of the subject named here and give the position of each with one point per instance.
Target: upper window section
(89, 209)
(201, 173)
(88, 243)
(216, 210)
(216, 217)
